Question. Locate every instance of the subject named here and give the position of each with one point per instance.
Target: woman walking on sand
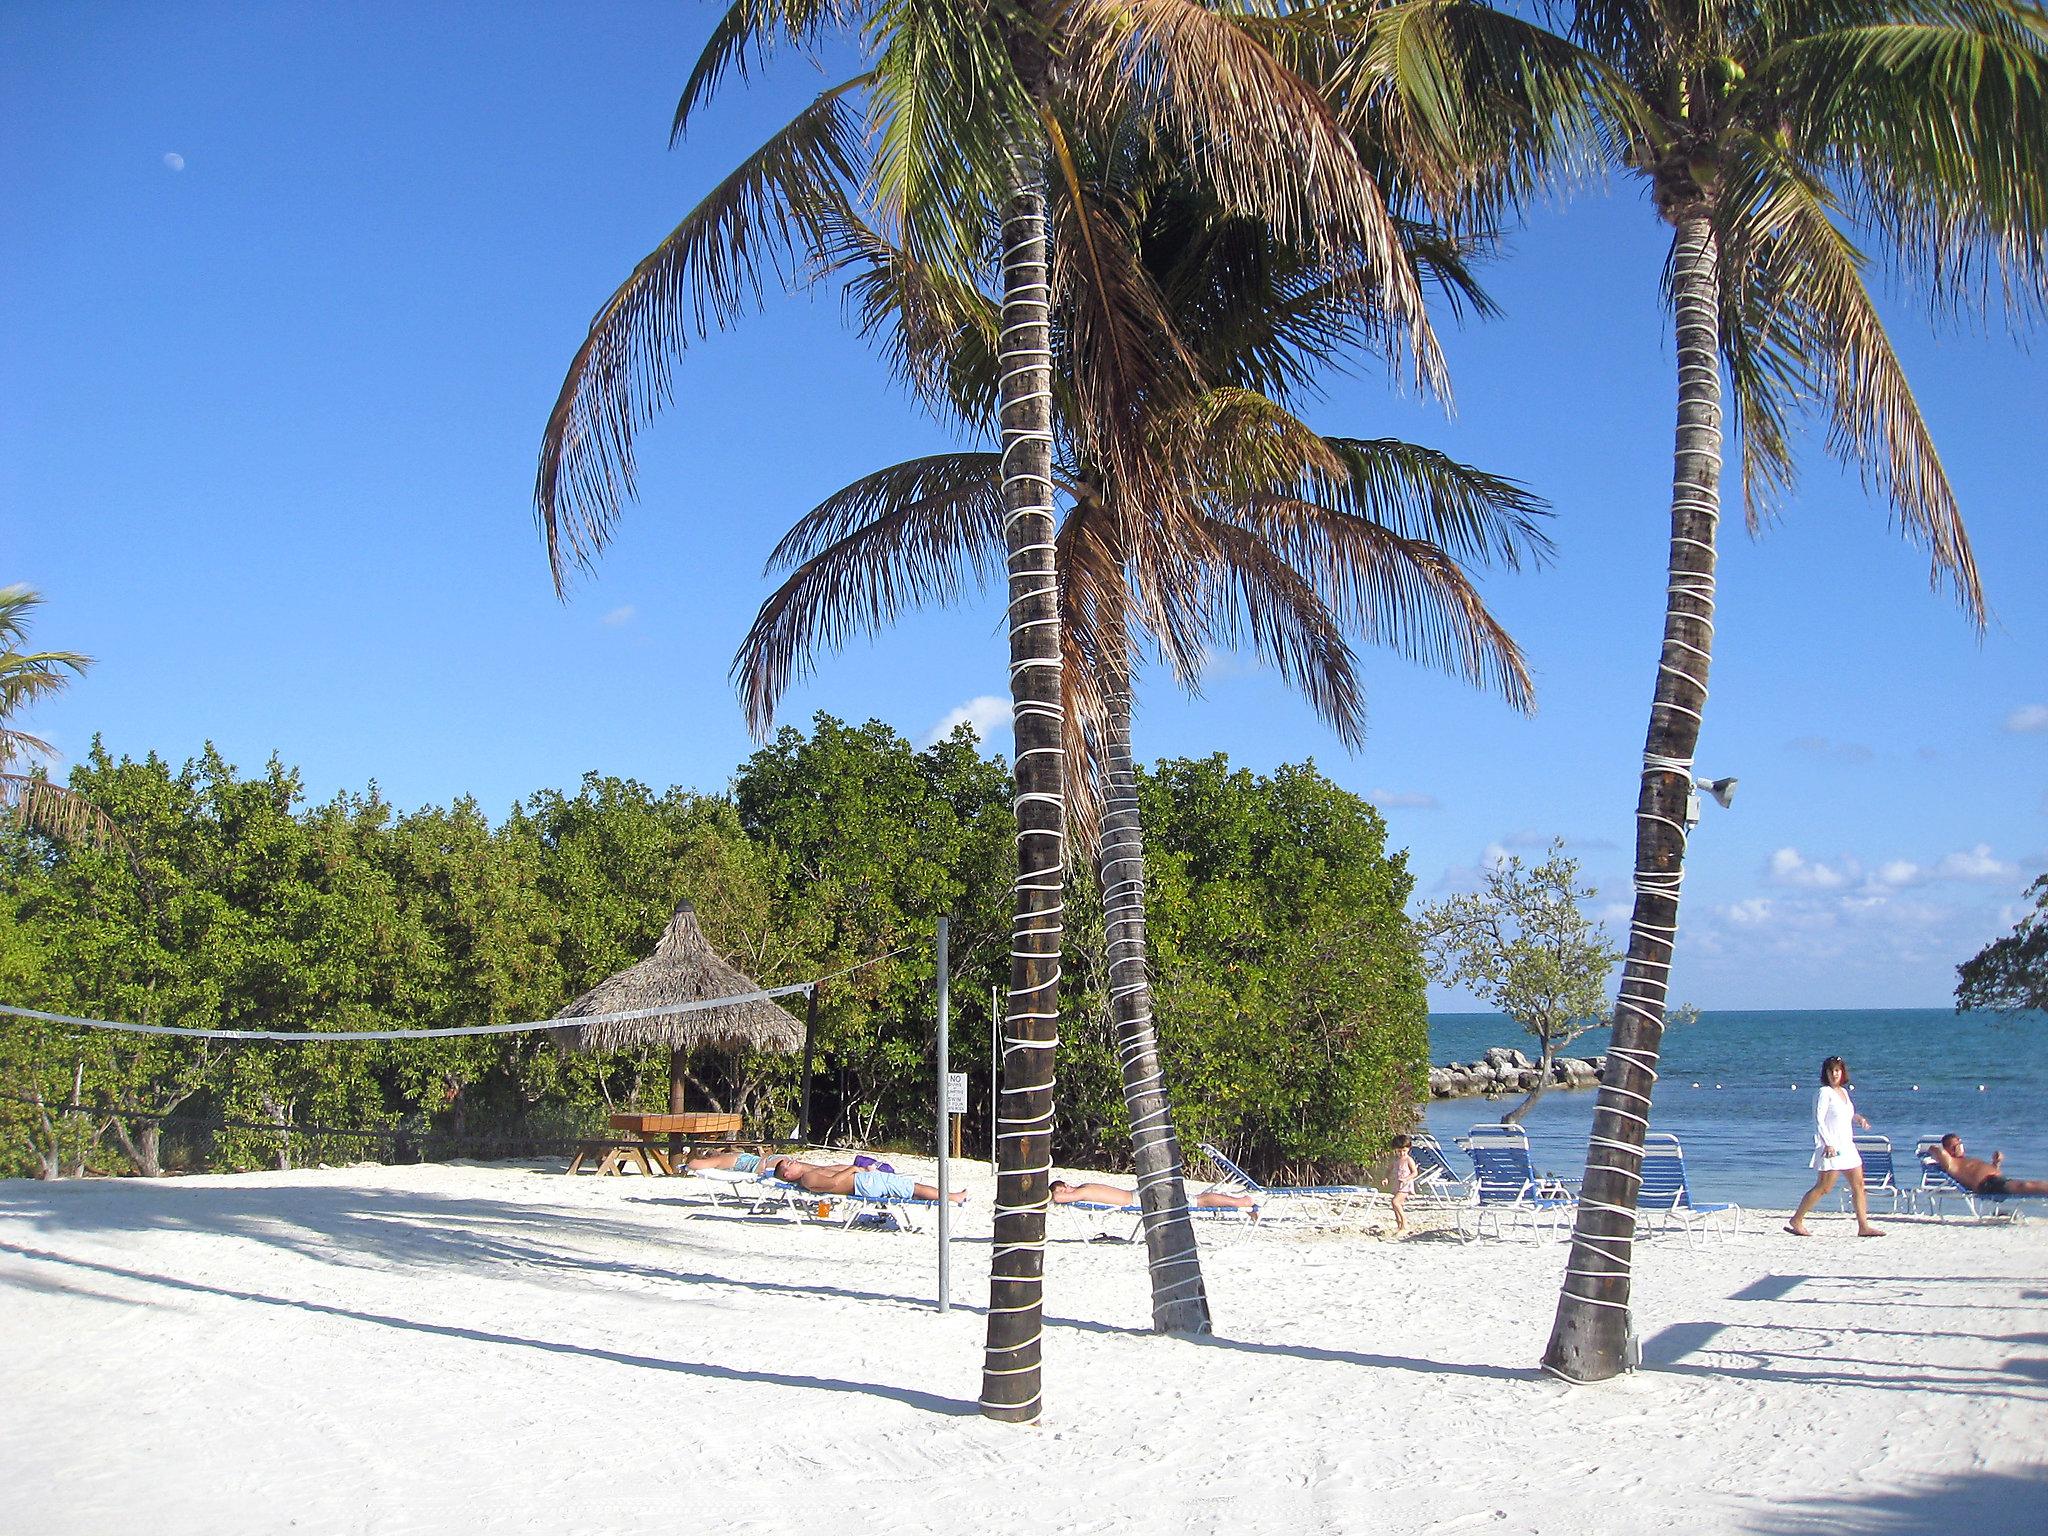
(1834, 1149)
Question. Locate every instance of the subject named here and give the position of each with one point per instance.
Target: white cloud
(1788, 868)
(1222, 665)
(1401, 799)
(2028, 717)
(986, 713)
(174, 161)
(1756, 909)
(624, 614)
(1977, 864)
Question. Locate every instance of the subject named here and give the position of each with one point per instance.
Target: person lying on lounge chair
(1064, 1193)
(846, 1179)
(1978, 1176)
(736, 1162)
(750, 1162)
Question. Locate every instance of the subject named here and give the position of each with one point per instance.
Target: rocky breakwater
(1506, 1070)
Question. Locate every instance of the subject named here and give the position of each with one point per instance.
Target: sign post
(945, 1141)
(956, 1104)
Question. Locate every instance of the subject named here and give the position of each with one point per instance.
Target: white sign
(956, 1093)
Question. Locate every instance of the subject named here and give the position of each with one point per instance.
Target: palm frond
(1936, 134)
(1255, 131)
(915, 534)
(1401, 592)
(948, 105)
(1260, 598)
(59, 813)
(1483, 108)
(768, 215)
(749, 26)
(1822, 326)
(939, 333)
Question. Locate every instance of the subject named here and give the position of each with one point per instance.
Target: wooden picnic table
(642, 1150)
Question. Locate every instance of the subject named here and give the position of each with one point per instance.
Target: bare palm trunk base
(1010, 1366)
(1593, 1338)
(1180, 1301)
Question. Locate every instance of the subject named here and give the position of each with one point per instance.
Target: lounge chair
(1508, 1183)
(1879, 1177)
(1268, 1195)
(1665, 1196)
(1234, 1181)
(1435, 1178)
(762, 1193)
(1938, 1184)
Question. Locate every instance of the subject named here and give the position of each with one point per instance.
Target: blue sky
(289, 290)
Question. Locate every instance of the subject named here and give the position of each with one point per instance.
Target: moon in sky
(175, 161)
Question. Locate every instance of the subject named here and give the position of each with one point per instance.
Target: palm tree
(25, 677)
(1786, 143)
(1299, 534)
(948, 127)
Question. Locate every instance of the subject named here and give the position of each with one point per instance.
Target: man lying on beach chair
(1110, 1197)
(849, 1179)
(1987, 1180)
(750, 1162)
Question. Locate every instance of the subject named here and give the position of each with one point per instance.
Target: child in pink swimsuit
(1404, 1182)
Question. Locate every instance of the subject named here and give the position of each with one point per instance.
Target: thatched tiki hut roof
(684, 969)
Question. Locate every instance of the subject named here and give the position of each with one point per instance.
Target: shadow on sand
(1984, 1503)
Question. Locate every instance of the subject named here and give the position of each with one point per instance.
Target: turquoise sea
(1737, 1089)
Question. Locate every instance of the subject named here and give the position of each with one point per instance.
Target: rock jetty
(1506, 1070)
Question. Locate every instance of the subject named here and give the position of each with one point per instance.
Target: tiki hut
(683, 969)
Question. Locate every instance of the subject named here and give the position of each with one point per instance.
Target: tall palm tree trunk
(1010, 1365)
(1180, 1301)
(1592, 1338)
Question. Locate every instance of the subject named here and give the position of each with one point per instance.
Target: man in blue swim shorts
(845, 1179)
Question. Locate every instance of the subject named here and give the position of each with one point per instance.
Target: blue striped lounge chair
(1880, 1178)
(1665, 1197)
(1270, 1195)
(1435, 1178)
(1234, 1181)
(1510, 1192)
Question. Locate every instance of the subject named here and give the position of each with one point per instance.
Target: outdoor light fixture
(1723, 791)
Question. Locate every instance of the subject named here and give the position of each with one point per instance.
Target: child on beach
(1404, 1182)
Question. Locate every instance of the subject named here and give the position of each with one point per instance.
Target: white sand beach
(503, 1349)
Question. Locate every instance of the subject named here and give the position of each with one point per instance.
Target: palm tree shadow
(929, 1402)
(1371, 1362)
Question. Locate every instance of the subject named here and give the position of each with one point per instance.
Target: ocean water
(1737, 1089)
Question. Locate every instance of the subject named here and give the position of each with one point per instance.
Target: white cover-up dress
(1834, 1125)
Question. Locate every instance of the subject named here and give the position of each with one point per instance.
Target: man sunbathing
(1064, 1193)
(750, 1162)
(1978, 1176)
(846, 1179)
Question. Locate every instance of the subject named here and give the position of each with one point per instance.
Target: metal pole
(995, 1069)
(945, 1140)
